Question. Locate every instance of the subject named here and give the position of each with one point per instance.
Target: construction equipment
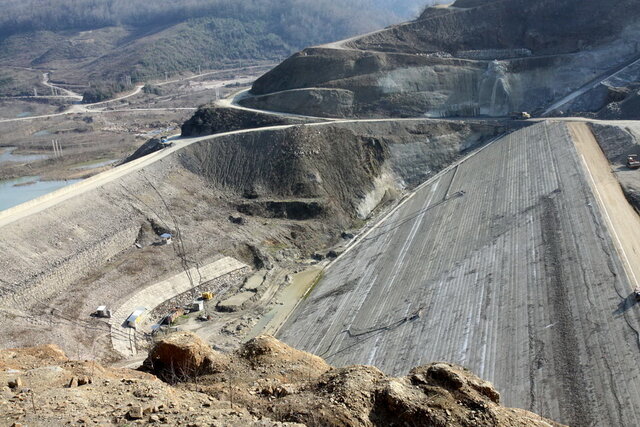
(520, 115)
(633, 162)
(164, 141)
(207, 296)
(102, 311)
(196, 306)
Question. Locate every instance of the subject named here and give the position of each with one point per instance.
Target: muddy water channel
(7, 155)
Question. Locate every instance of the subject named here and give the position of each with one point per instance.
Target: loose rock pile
(263, 383)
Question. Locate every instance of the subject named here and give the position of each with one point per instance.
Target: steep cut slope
(490, 59)
(263, 383)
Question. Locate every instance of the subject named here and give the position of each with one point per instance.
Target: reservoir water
(16, 191)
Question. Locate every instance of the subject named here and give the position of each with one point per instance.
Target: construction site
(370, 202)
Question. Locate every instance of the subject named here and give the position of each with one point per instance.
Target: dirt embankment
(283, 194)
(263, 383)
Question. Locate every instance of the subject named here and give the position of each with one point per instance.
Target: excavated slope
(502, 56)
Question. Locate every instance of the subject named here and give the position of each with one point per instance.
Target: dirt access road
(622, 219)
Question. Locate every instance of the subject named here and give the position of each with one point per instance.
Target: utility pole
(57, 149)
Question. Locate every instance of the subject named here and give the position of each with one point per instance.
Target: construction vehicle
(633, 162)
(520, 115)
(207, 296)
(164, 141)
(103, 312)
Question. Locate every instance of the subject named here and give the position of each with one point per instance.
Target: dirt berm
(210, 119)
(283, 194)
(263, 383)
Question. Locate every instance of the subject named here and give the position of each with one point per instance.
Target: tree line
(319, 16)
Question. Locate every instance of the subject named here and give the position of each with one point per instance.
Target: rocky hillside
(263, 383)
(472, 58)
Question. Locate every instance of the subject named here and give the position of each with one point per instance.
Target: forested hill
(302, 20)
(104, 40)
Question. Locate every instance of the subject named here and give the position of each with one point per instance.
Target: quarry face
(465, 60)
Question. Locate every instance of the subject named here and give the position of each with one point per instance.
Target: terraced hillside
(472, 58)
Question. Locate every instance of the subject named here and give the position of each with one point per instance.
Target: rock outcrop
(263, 383)
(183, 356)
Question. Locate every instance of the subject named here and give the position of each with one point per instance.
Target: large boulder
(183, 356)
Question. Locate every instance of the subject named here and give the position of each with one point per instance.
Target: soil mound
(265, 350)
(211, 119)
(183, 355)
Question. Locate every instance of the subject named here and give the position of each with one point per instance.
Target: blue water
(7, 156)
(12, 195)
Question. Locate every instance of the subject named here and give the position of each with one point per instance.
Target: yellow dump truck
(207, 296)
